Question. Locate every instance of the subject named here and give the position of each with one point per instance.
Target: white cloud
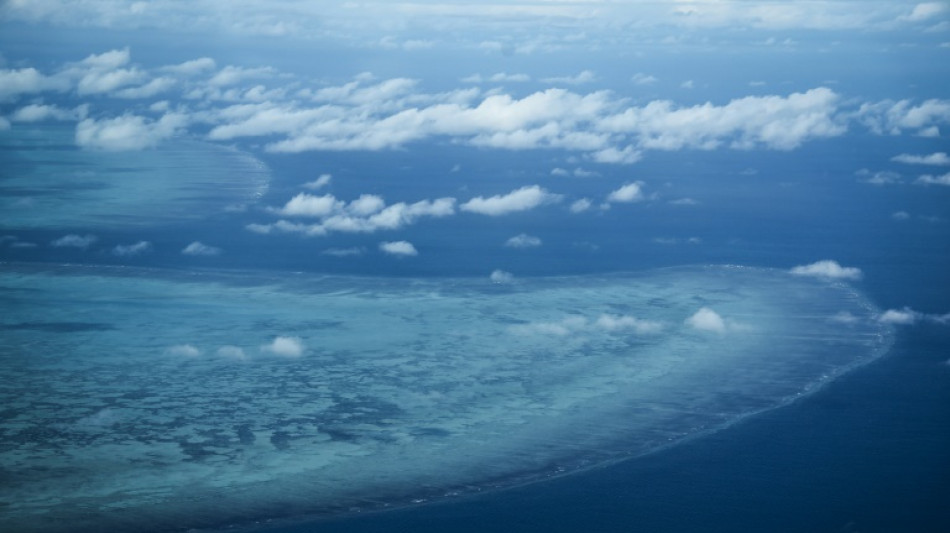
(285, 347)
(231, 352)
(42, 112)
(523, 240)
(937, 158)
(707, 320)
(579, 206)
(908, 316)
(128, 132)
(322, 181)
(74, 241)
(585, 76)
(308, 205)
(344, 252)
(183, 350)
(231, 75)
(500, 276)
(774, 122)
(148, 90)
(398, 248)
(199, 249)
(127, 250)
(827, 269)
(628, 193)
(643, 79)
(902, 317)
(924, 11)
(900, 215)
(192, 67)
(928, 179)
(626, 323)
(605, 323)
(893, 118)
(14, 83)
(521, 199)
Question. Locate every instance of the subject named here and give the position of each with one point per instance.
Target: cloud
(128, 250)
(344, 252)
(707, 320)
(908, 316)
(893, 118)
(42, 112)
(198, 249)
(308, 205)
(937, 158)
(192, 67)
(628, 193)
(128, 132)
(15, 83)
(74, 241)
(231, 75)
(827, 269)
(523, 240)
(579, 206)
(640, 326)
(585, 76)
(900, 215)
(522, 199)
(500, 276)
(924, 11)
(928, 179)
(773, 122)
(322, 181)
(643, 79)
(285, 347)
(499, 77)
(183, 350)
(399, 248)
(575, 324)
(231, 352)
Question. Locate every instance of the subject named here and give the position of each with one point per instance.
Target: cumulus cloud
(183, 350)
(908, 316)
(285, 347)
(707, 320)
(322, 181)
(199, 249)
(128, 250)
(344, 252)
(74, 241)
(398, 248)
(827, 269)
(17, 82)
(523, 240)
(522, 199)
(43, 112)
(936, 158)
(231, 352)
(893, 118)
(928, 179)
(628, 193)
(585, 76)
(579, 206)
(605, 323)
(128, 132)
(191, 67)
(500, 276)
(643, 79)
(366, 214)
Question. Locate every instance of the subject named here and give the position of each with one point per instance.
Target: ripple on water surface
(140, 399)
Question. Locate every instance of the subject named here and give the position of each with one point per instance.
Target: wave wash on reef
(142, 400)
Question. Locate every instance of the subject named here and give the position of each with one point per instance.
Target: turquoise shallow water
(173, 399)
(48, 182)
